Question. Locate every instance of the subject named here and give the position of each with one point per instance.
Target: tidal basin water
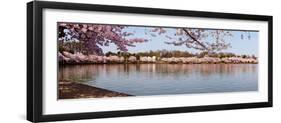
(164, 79)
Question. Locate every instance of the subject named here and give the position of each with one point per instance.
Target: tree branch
(193, 38)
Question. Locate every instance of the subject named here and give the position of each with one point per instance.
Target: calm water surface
(158, 79)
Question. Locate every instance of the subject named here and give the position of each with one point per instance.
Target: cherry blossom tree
(89, 38)
(92, 36)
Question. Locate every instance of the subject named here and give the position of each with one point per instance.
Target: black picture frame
(35, 69)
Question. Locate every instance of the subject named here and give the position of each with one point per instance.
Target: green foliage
(202, 54)
(110, 54)
(176, 53)
(61, 48)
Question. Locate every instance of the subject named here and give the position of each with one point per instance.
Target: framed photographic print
(94, 61)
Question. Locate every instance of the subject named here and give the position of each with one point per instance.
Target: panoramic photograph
(109, 60)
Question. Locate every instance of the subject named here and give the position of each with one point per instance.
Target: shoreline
(79, 58)
(73, 90)
(85, 63)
